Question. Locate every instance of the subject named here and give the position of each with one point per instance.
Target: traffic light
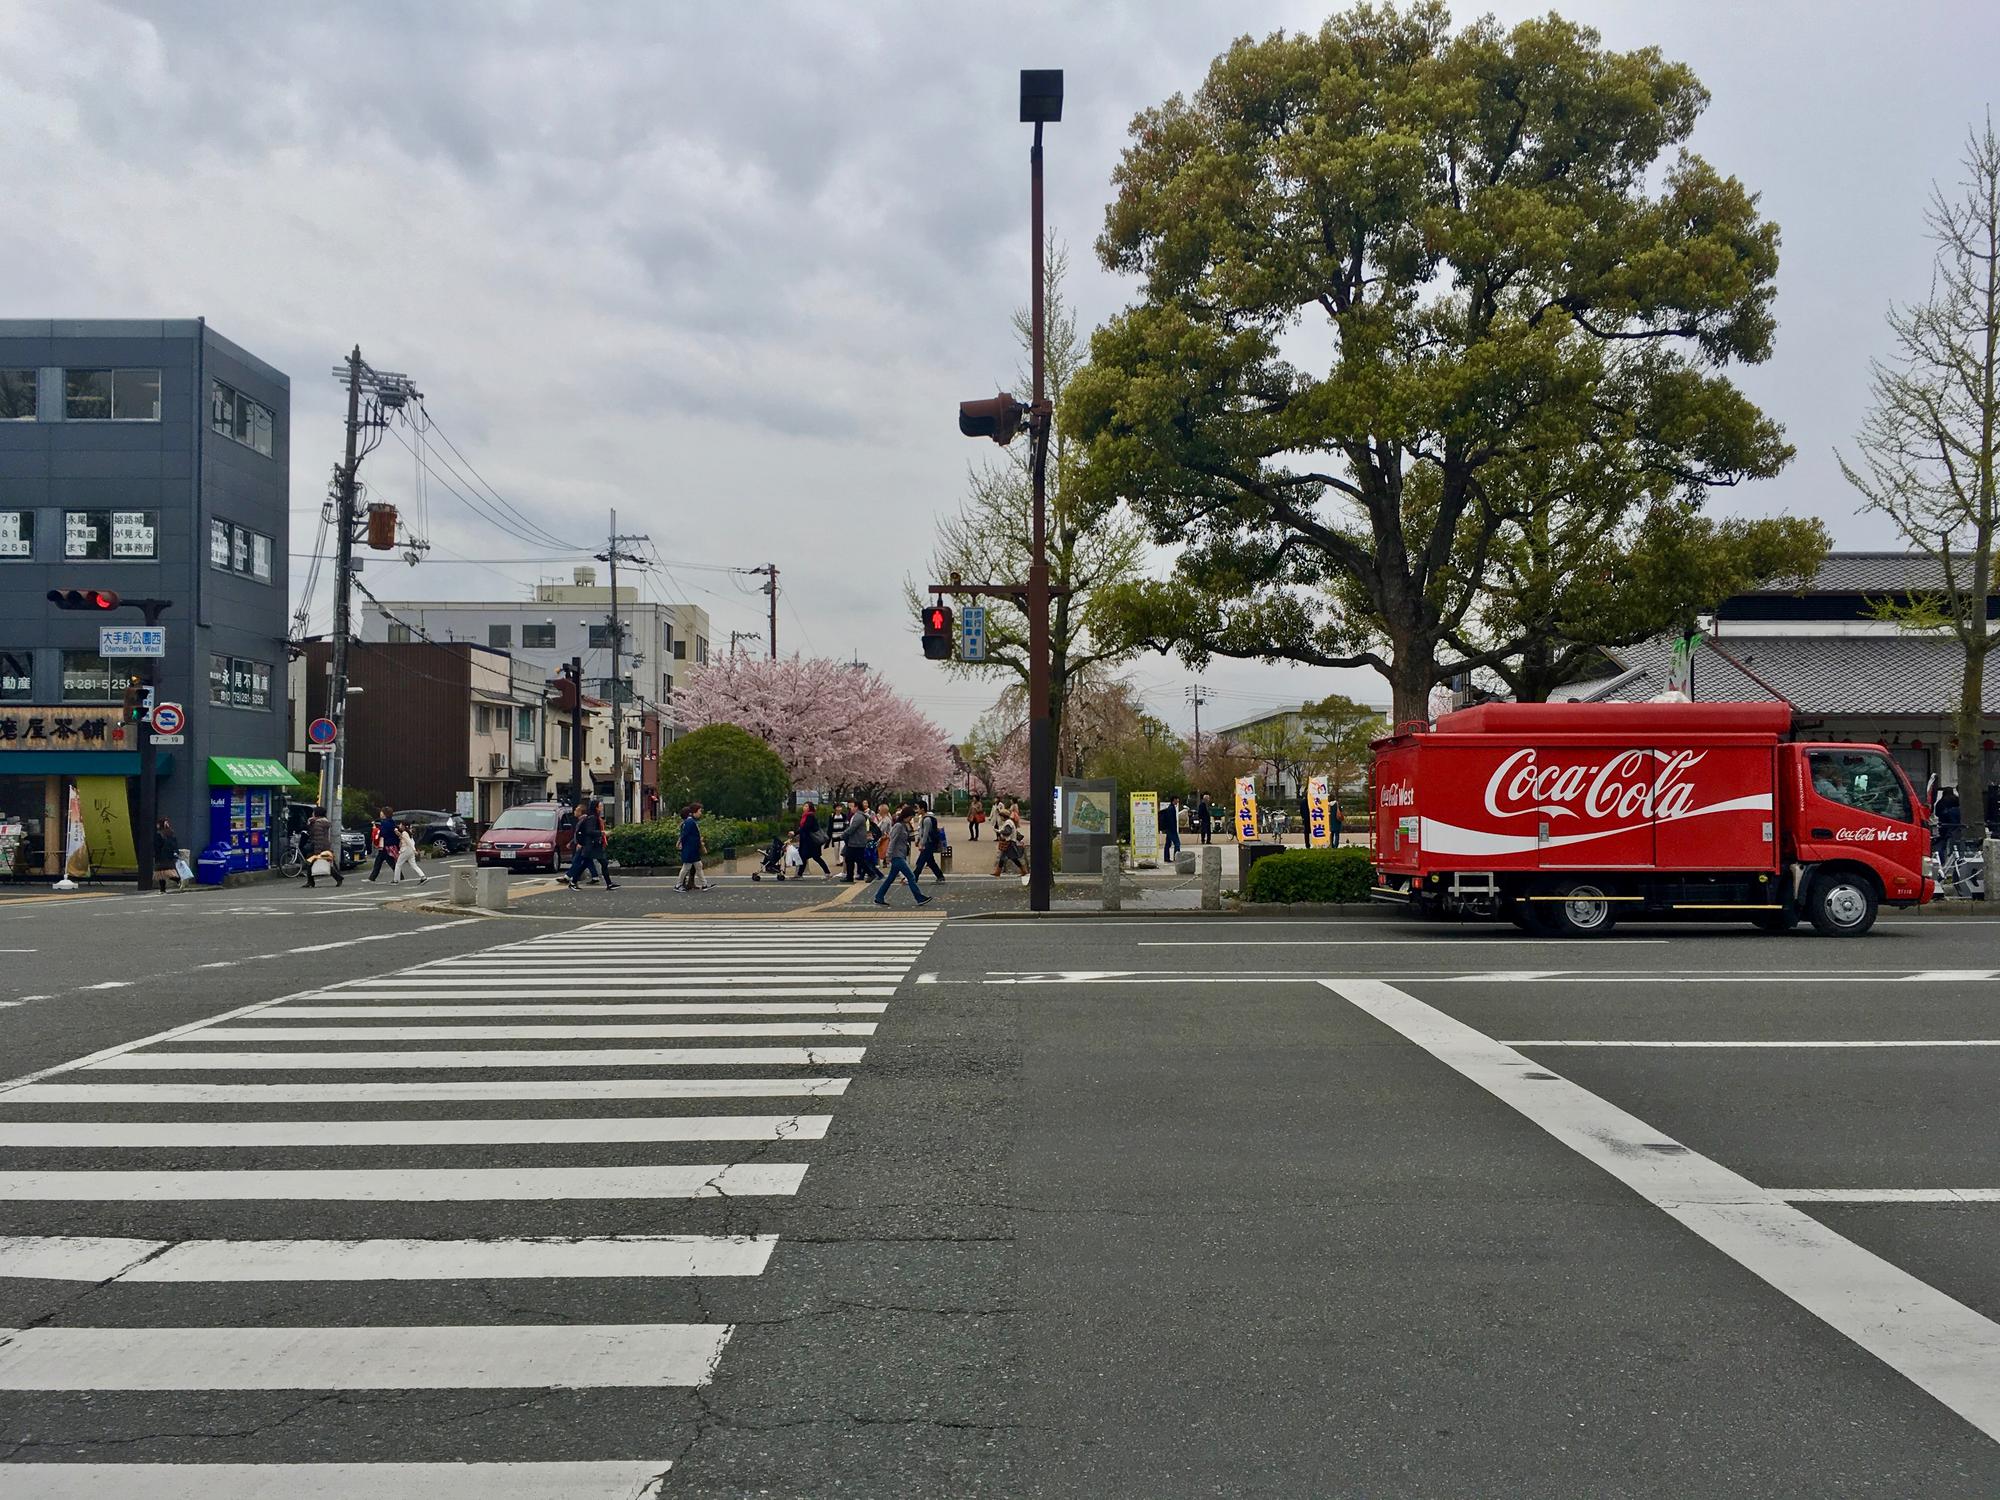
(138, 700)
(83, 599)
(998, 417)
(937, 632)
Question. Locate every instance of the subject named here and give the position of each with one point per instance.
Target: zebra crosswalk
(316, 1201)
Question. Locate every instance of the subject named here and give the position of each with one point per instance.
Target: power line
(549, 537)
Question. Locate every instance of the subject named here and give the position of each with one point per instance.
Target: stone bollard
(1111, 860)
(461, 884)
(1184, 862)
(1991, 872)
(489, 890)
(1211, 878)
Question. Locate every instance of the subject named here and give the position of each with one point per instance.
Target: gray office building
(148, 459)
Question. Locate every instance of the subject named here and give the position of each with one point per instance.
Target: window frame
(599, 637)
(398, 634)
(112, 390)
(24, 658)
(524, 724)
(231, 414)
(500, 637)
(545, 637)
(109, 528)
(115, 682)
(245, 683)
(34, 385)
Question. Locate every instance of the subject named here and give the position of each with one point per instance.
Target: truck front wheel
(1843, 904)
(1586, 910)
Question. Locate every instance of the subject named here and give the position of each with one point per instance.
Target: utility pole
(770, 572)
(387, 392)
(736, 636)
(574, 672)
(1197, 695)
(1036, 105)
(613, 556)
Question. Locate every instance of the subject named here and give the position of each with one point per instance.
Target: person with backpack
(899, 859)
(929, 840)
(382, 834)
(811, 843)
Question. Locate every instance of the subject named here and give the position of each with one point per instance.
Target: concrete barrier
(1184, 862)
(1211, 878)
(1111, 862)
(462, 890)
(489, 890)
(1991, 873)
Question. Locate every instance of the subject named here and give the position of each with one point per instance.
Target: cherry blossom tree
(836, 727)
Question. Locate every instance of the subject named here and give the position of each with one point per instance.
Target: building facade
(149, 459)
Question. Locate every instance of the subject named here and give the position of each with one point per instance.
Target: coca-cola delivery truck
(1567, 817)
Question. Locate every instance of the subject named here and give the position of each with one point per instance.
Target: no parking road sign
(322, 733)
(168, 718)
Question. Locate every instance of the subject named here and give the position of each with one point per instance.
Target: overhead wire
(549, 538)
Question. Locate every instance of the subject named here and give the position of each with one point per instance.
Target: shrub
(658, 843)
(727, 770)
(1312, 875)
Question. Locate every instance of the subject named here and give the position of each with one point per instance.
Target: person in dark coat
(691, 851)
(386, 840)
(1204, 818)
(811, 842)
(1170, 827)
(1949, 815)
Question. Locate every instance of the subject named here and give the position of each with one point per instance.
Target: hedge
(658, 844)
(1312, 875)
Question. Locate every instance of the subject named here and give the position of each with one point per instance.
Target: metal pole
(333, 764)
(772, 569)
(149, 781)
(1041, 737)
(617, 709)
(576, 732)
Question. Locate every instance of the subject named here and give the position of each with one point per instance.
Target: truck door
(1715, 807)
(1592, 806)
(1855, 805)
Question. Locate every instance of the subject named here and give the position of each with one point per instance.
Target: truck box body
(1663, 806)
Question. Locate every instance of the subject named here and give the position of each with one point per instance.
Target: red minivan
(533, 835)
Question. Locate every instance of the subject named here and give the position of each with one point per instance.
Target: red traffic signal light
(998, 417)
(83, 599)
(937, 632)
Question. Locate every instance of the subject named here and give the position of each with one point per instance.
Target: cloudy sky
(728, 267)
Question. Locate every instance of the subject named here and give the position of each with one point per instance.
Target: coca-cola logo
(1871, 835)
(1630, 784)
(1399, 794)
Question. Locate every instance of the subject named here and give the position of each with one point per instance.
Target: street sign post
(322, 733)
(168, 718)
(972, 632)
(131, 640)
(170, 739)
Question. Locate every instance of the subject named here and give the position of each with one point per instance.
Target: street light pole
(1041, 101)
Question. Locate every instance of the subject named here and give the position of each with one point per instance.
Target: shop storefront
(245, 804)
(68, 792)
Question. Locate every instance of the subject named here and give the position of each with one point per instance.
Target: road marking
(558, 1357)
(1941, 1345)
(1887, 1195)
(1509, 939)
(78, 1258)
(109, 984)
(605, 1008)
(145, 1134)
(492, 1057)
(401, 1185)
(1757, 1045)
(610, 1480)
(703, 985)
(373, 1093)
(661, 1031)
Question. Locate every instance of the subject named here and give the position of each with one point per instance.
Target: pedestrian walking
(1949, 815)
(899, 859)
(1007, 842)
(1170, 828)
(1204, 818)
(321, 857)
(382, 834)
(406, 857)
(882, 822)
(588, 847)
(1334, 825)
(691, 850)
(857, 844)
(810, 843)
(167, 856)
(974, 816)
(929, 840)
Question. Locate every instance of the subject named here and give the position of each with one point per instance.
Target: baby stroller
(773, 862)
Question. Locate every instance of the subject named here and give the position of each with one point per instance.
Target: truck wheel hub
(1846, 905)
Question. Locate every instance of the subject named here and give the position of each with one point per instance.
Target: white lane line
(692, 988)
(1945, 976)
(143, 1134)
(393, 1185)
(590, 1480)
(1936, 1342)
(554, 1357)
(394, 1093)
(1510, 940)
(109, 984)
(491, 1057)
(1753, 1046)
(453, 984)
(79, 1258)
(607, 1008)
(659, 1031)
(1887, 1195)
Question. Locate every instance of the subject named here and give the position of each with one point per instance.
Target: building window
(701, 648)
(238, 549)
(234, 682)
(17, 395)
(524, 725)
(600, 637)
(538, 637)
(680, 650)
(236, 416)
(218, 545)
(117, 535)
(89, 678)
(500, 635)
(562, 740)
(399, 633)
(632, 739)
(111, 395)
(17, 534)
(17, 677)
(260, 557)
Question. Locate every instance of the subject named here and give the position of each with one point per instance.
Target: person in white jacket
(406, 855)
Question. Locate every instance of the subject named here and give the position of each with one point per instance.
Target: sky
(728, 268)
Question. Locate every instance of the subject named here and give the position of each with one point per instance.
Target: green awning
(80, 762)
(240, 770)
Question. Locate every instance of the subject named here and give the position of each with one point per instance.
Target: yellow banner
(1246, 809)
(1319, 830)
(107, 822)
(1145, 826)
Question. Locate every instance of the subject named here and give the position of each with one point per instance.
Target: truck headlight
(1930, 867)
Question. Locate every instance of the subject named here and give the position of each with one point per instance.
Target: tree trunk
(1410, 680)
(1966, 724)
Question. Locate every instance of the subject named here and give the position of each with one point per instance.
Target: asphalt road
(1105, 1207)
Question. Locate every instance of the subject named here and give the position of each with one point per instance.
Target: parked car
(439, 833)
(533, 835)
(353, 841)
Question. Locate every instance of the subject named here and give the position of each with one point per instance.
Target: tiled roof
(1868, 573)
(1817, 674)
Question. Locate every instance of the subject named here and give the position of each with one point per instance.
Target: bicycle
(1961, 871)
(293, 864)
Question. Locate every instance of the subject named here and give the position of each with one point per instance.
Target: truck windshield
(1861, 779)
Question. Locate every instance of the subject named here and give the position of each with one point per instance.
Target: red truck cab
(1569, 817)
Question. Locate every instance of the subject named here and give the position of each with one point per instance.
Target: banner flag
(1145, 827)
(1319, 829)
(1246, 809)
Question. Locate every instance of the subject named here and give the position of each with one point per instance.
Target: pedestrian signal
(83, 599)
(937, 632)
(138, 701)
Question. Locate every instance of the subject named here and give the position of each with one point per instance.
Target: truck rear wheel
(1842, 904)
(1585, 911)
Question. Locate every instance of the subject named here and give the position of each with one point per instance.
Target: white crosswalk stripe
(382, 1063)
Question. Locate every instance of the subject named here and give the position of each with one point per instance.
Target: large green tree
(725, 768)
(1387, 268)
